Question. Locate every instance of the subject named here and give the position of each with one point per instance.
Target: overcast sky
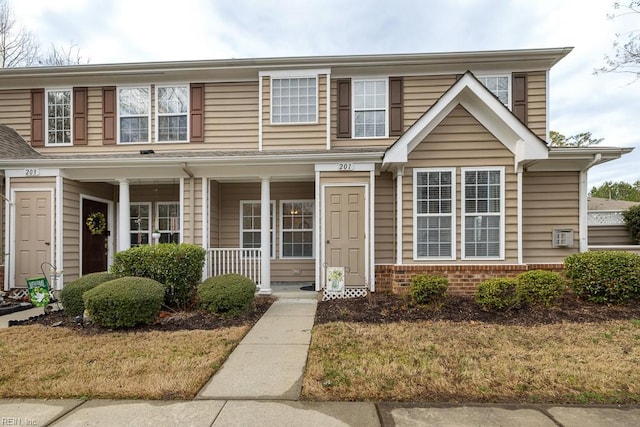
(608, 105)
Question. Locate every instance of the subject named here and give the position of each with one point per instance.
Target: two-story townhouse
(366, 168)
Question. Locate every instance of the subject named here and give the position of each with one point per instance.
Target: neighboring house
(285, 169)
(606, 224)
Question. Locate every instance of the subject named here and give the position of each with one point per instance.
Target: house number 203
(345, 166)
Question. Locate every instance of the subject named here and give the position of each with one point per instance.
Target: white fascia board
(294, 72)
(345, 167)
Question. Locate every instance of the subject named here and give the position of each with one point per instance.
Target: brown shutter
(343, 124)
(109, 115)
(396, 125)
(519, 96)
(80, 106)
(37, 117)
(197, 112)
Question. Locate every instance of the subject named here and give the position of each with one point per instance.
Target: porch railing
(236, 261)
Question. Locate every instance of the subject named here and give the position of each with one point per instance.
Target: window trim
(509, 77)
(289, 77)
(453, 214)
(501, 214)
(157, 114)
(353, 106)
(312, 230)
(46, 118)
(156, 219)
(273, 225)
(150, 231)
(120, 116)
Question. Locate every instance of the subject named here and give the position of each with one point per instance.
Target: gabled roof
(13, 146)
(486, 108)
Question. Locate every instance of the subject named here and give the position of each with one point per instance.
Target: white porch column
(124, 220)
(265, 236)
(399, 174)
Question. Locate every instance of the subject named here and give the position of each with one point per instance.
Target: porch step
(293, 291)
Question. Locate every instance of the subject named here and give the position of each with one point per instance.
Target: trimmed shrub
(71, 293)
(539, 287)
(632, 222)
(177, 267)
(125, 302)
(228, 294)
(605, 277)
(426, 289)
(498, 294)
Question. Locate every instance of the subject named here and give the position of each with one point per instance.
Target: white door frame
(10, 276)
(110, 227)
(367, 231)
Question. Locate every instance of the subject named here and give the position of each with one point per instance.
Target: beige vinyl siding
(15, 111)
(231, 116)
(420, 93)
(214, 214)
(550, 200)
(537, 103)
(609, 235)
(384, 228)
(72, 222)
(282, 270)
(155, 193)
(460, 141)
(192, 231)
(94, 116)
(294, 136)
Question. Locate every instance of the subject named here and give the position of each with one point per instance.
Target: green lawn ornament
(38, 288)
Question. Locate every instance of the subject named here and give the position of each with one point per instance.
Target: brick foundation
(463, 278)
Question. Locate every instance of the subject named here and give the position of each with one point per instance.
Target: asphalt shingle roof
(13, 146)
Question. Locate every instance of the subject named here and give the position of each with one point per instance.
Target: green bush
(427, 289)
(632, 221)
(178, 267)
(539, 287)
(498, 294)
(606, 277)
(229, 294)
(71, 293)
(125, 302)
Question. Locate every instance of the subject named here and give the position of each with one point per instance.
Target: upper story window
(134, 109)
(172, 113)
(500, 86)
(294, 100)
(59, 117)
(370, 108)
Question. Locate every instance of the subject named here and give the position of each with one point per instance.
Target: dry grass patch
(41, 362)
(475, 362)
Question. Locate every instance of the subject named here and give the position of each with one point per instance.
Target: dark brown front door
(94, 246)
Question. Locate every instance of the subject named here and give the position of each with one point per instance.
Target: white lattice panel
(605, 218)
(348, 293)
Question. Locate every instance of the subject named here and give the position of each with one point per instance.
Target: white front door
(345, 232)
(33, 237)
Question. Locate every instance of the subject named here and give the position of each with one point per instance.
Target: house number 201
(31, 172)
(345, 166)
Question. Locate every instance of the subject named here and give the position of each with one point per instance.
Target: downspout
(192, 201)
(583, 229)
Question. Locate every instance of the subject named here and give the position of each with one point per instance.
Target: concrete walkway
(260, 384)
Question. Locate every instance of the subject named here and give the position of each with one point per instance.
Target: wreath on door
(96, 223)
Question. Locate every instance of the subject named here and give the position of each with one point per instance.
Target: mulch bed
(386, 308)
(169, 321)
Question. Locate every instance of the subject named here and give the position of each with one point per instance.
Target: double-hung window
(296, 228)
(294, 100)
(172, 113)
(370, 108)
(134, 110)
(500, 86)
(59, 111)
(140, 223)
(483, 213)
(168, 218)
(250, 222)
(434, 207)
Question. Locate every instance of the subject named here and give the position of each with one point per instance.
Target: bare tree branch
(18, 47)
(626, 47)
(61, 55)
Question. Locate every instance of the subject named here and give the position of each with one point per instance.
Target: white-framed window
(435, 209)
(250, 223)
(370, 113)
(483, 213)
(296, 228)
(172, 113)
(168, 221)
(59, 116)
(140, 223)
(134, 114)
(500, 86)
(294, 100)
